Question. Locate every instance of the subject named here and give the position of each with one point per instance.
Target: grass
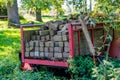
(10, 46)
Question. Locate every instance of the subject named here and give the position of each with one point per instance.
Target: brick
(32, 48)
(58, 55)
(43, 38)
(47, 37)
(32, 43)
(53, 32)
(36, 43)
(38, 37)
(33, 37)
(66, 44)
(44, 32)
(46, 49)
(65, 32)
(60, 27)
(36, 48)
(41, 44)
(31, 54)
(26, 54)
(65, 55)
(46, 54)
(50, 55)
(27, 49)
(26, 44)
(36, 54)
(59, 33)
(51, 49)
(51, 43)
(58, 49)
(36, 32)
(58, 44)
(66, 49)
(65, 37)
(41, 54)
(57, 38)
(41, 49)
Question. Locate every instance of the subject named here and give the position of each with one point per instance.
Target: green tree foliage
(39, 5)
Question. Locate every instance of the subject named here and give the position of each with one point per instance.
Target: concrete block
(44, 32)
(53, 32)
(47, 37)
(41, 44)
(59, 44)
(31, 54)
(65, 37)
(57, 38)
(50, 55)
(43, 38)
(46, 49)
(36, 43)
(58, 55)
(58, 49)
(66, 49)
(41, 49)
(27, 49)
(51, 49)
(36, 53)
(66, 44)
(41, 54)
(31, 43)
(46, 54)
(36, 48)
(65, 55)
(26, 54)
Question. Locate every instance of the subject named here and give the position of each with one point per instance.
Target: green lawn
(10, 46)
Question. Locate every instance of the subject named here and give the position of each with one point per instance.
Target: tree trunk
(13, 16)
(38, 15)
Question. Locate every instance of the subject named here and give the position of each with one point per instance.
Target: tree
(39, 5)
(12, 8)
(12, 11)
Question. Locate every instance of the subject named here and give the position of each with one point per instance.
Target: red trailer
(74, 30)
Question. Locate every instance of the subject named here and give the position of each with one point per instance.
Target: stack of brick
(50, 42)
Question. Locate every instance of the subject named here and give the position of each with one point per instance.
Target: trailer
(43, 45)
